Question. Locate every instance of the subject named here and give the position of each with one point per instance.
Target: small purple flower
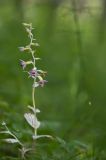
(33, 73)
(42, 82)
(23, 64)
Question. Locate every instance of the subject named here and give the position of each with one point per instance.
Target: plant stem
(33, 100)
(33, 89)
(33, 97)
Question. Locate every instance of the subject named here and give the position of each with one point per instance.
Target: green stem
(33, 89)
(33, 97)
(33, 100)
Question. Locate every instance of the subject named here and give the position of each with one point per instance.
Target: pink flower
(33, 73)
(42, 82)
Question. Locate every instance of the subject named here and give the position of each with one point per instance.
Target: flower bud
(22, 49)
(22, 64)
(27, 25)
(37, 44)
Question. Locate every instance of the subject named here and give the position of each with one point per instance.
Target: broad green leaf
(32, 120)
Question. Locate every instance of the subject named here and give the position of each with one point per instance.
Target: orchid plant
(38, 81)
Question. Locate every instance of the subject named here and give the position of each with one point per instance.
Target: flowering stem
(33, 73)
(33, 89)
(33, 100)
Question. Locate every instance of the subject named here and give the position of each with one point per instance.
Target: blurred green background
(72, 38)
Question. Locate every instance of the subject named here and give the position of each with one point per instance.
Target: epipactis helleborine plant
(38, 81)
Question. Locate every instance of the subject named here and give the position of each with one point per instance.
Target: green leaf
(11, 140)
(32, 120)
(5, 132)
